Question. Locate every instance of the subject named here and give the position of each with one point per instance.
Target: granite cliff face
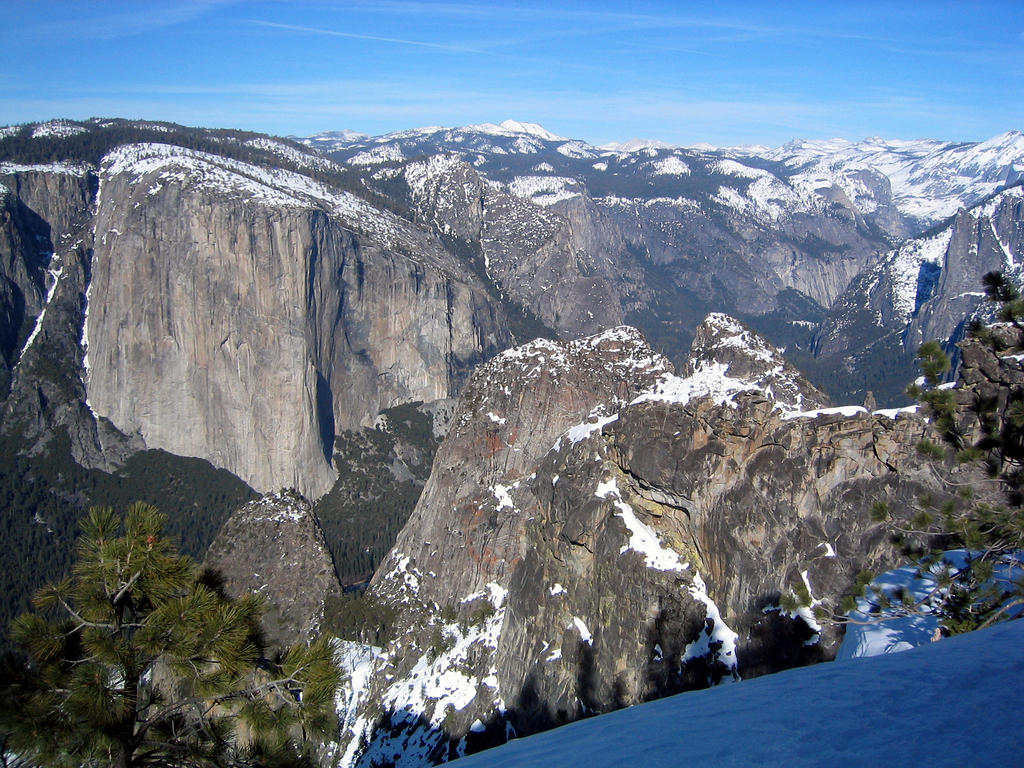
(46, 262)
(584, 544)
(240, 316)
(237, 310)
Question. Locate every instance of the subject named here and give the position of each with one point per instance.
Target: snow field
(915, 708)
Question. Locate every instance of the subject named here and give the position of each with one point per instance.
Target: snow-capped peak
(634, 145)
(515, 128)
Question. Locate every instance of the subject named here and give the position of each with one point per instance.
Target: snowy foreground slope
(955, 702)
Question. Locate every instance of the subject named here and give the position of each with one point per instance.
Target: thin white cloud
(355, 36)
(142, 18)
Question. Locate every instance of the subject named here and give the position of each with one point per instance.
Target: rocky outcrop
(572, 554)
(510, 414)
(274, 547)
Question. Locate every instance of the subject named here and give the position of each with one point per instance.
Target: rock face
(511, 413)
(46, 258)
(244, 321)
(572, 555)
(569, 266)
(274, 547)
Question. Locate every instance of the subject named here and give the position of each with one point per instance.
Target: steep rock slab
(273, 546)
(242, 314)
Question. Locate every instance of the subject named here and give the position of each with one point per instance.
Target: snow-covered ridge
(708, 381)
(634, 145)
(60, 129)
(723, 342)
(422, 174)
(624, 344)
(386, 153)
(289, 153)
(515, 128)
(68, 169)
(768, 199)
(669, 166)
(577, 150)
(331, 137)
(930, 179)
(729, 333)
(161, 164)
(728, 167)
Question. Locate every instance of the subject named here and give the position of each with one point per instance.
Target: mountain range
(585, 414)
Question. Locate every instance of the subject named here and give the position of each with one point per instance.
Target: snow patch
(715, 632)
(544, 190)
(385, 153)
(585, 635)
(669, 166)
(928, 696)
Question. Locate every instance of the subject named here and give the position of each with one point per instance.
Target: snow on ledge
(642, 538)
(843, 410)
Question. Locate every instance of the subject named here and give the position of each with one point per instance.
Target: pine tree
(139, 659)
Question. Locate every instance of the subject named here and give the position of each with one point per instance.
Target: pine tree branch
(995, 616)
(127, 586)
(82, 622)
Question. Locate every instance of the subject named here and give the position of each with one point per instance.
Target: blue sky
(742, 72)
